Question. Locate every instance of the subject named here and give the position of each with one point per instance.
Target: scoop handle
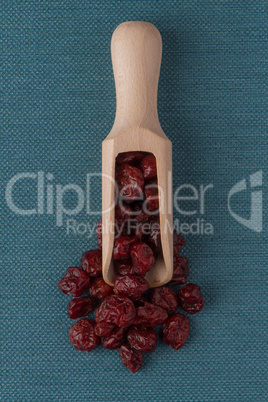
(136, 50)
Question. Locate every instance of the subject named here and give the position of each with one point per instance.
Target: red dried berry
(176, 330)
(91, 262)
(191, 299)
(124, 267)
(82, 335)
(75, 282)
(118, 310)
(131, 358)
(100, 289)
(139, 212)
(123, 213)
(104, 329)
(122, 247)
(150, 315)
(142, 338)
(131, 286)
(130, 182)
(80, 307)
(129, 157)
(154, 238)
(151, 196)
(142, 258)
(115, 339)
(180, 270)
(148, 167)
(165, 298)
(178, 240)
(99, 234)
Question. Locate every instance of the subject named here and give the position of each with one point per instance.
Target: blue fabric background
(57, 105)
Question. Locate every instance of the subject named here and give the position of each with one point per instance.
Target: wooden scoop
(136, 49)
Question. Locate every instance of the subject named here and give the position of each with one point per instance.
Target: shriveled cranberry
(180, 270)
(99, 234)
(176, 330)
(118, 310)
(151, 196)
(82, 335)
(100, 289)
(124, 267)
(129, 157)
(116, 338)
(139, 212)
(104, 328)
(131, 358)
(150, 315)
(165, 298)
(142, 230)
(148, 167)
(91, 262)
(123, 213)
(142, 338)
(130, 182)
(130, 285)
(142, 258)
(122, 247)
(191, 299)
(154, 238)
(80, 307)
(178, 240)
(140, 301)
(75, 282)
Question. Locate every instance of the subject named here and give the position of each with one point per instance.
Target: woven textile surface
(57, 104)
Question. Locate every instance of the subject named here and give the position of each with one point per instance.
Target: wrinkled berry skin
(155, 237)
(100, 289)
(131, 286)
(75, 282)
(104, 329)
(176, 330)
(99, 234)
(123, 213)
(115, 339)
(180, 270)
(118, 310)
(131, 358)
(148, 167)
(164, 297)
(129, 157)
(130, 182)
(151, 196)
(142, 258)
(150, 315)
(91, 262)
(122, 247)
(82, 335)
(124, 267)
(191, 299)
(142, 338)
(80, 307)
(139, 212)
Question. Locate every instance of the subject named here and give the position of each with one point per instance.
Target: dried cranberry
(142, 258)
(82, 335)
(165, 298)
(148, 167)
(129, 157)
(154, 238)
(123, 213)
(104, 329)
(178, 240)
(151, 196)
(75, 282)
(118, 310)
(140, 301)
(139, 212)
(130, 182)
(176, 330)
(80, 307)
(131, 358)
(191, 299)
(122, 247)
(100, 289)
(180, 270)
(115, 339)
(150, 315)
(99, 234)
(91, 262)
(142, 338)
(130, 285)
(141, 230)
(124, 267)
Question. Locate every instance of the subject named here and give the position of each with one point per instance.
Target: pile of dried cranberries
(127, 313)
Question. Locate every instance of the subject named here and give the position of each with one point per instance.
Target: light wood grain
(136, 50)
